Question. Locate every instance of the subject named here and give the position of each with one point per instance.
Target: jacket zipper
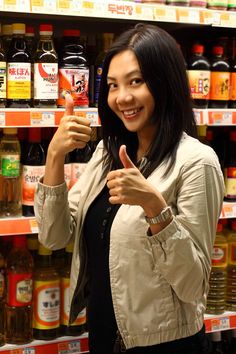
(119, 346)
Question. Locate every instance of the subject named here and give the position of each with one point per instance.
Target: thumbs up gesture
(127, 185)
(73, 132)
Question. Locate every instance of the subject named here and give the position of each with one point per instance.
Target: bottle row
(222, 292)
(34, 292)
(38, 72)
(22, 161)
(223, 342)
(210, 4)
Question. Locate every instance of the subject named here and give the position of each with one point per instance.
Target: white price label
(216, 18)
(28, 351)
(72, 347)
(93, 117)
(48, 118)
(2, 119)
(227, 118)
(220, 324)
(194, 16)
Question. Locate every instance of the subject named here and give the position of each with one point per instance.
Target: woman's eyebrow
(131, 73)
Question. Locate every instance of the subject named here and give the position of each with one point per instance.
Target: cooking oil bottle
(46, 314)
(19, 273)
(10, 187)
(216, 300)
(78, 326)
(231, 271)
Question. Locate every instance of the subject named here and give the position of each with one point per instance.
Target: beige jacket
(159, 283)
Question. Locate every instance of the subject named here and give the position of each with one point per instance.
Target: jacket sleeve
(58, 211)
(183, 249)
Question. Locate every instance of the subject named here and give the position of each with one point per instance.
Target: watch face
(165, 215)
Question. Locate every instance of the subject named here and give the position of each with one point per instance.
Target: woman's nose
(124, 96)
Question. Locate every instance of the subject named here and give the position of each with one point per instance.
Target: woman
(144, 213)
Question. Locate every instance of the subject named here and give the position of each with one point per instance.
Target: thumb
(124, 158)
(69, 107)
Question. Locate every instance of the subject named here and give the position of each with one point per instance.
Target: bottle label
(2, 284)
(97, 82)
(217, 3)
(232, 253)
(46, 81)
(10, 165)
(3, 79)
(199, 82)
(30, 178)
(220, 83)
(74, 81)
(65, 306)
(219, 255)
(18, 80)
(230, 183)
(77, 170)
(233, 86)
(46, 312)
(19, 289)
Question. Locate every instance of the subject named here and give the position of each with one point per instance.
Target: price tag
(194, 16)
(63, 5)
(1, 5)
(165, 14)
(93, 117)
(218, 324)
(72, 347)
(9, 3)
(29, 351)
(76, 6)
(2, 119)
(229, 210)
(144, 12)
(221, 118)
(207, 17)
(198, 117)
(42, 118)
(34, 229)
(216, 18)
(48, 118)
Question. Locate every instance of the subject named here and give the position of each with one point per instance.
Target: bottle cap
(29, 31)
(71, 33)
(218, 50)
(10, 131)
(18, 28)
(34, 135)
(45, 29)
(6, 30)
(43, 251)
(70, 247)
(19, 241)
(198, 48)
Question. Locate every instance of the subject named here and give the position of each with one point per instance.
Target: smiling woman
(144, 213)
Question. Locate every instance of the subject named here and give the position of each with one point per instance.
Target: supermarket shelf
(124, 10)
(62, 345)
(214, 323)
(28, 225)
(42, 117)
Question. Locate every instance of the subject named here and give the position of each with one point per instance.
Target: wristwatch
(164, 215)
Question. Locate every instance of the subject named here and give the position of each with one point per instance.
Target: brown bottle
(18, 70)
(45, 70)
(3, 74)
(46, 312)
(18, 309)
(230, 168)
(78, 326)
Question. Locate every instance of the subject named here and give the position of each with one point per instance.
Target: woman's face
(129, 96)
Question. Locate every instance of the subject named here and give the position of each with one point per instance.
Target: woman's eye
(136, 81)
(111, 85)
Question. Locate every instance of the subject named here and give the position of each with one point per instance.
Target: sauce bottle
(220, 79)
(78, 326)
(45, 70)
(73, 70)
(18, 70)
(232, 96)
(230, 168)
(199, 77)
(46, 312)
(216, 299)
(19, 270)
(10, 179)
(231, 270)
(32, 169)
(3, 74)
(6, 36)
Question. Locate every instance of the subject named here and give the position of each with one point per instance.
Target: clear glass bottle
(10, 186)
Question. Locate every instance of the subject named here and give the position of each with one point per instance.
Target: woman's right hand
(73, 131)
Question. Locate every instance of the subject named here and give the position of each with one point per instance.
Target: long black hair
(163, 69)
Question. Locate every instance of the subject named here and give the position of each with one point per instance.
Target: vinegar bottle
(10, 180)
(231, 270)
(32, 169)
(216, 299)
(46, 314)
(45, 70)
(78, 326)
(19, 270)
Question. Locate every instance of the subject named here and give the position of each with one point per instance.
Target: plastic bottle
(216, 300)
(199, 77)
(3, 74)
(11, 180)
(46, 314)
(2, 297)
(45, 70)
(231, 270)
(107, 39)
(78, 327)
(19, 270)
(73, 70)
(230, 168)
(220, 79)
(32, 169)
(18, 70)
(6, 36)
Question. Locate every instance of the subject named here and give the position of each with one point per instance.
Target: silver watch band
(164, 215)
